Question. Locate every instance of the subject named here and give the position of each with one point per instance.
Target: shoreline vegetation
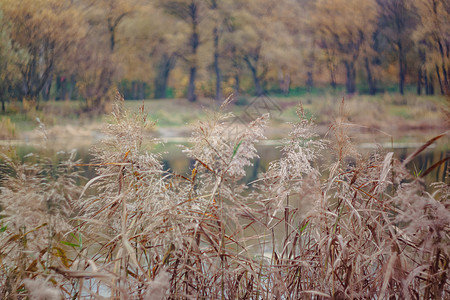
(373, 229)
(389, 114)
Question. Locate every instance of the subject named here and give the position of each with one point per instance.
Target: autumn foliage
(84, 49)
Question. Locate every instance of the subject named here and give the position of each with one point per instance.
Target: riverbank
(390, 115)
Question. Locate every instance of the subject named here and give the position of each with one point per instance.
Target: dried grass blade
(386, 166)
(421, 148)
(387, 275)
(206, 166)
(90, 182)
(130, 250)
(82, 274)
(316, 293)
(430, 169)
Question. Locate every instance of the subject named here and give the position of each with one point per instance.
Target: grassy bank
(391, 113)
(136, 230)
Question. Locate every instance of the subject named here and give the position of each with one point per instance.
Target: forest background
(85, 49)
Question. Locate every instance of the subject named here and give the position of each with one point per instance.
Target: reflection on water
(269, 150)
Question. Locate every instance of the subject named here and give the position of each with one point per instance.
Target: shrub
(37, 201)
(7, 128)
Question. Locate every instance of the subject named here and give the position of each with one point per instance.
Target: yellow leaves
(345, 18)
(343, 26)
(433, 30)
(35, 22)
(42, 34)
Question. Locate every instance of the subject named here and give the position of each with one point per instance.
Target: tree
(342, 28)
(10, 59)
(433, 39)
(45, 30)
(371, 56)
(95, 72)
(254, 33)
(190, 12)
(166, 44)
(234, 67)
(397, 22)
(111, 13)
(214, 7)
(152, 46)
(259, 38)
(290, 44)
(98, 67)
(368, 62)
(306, 40)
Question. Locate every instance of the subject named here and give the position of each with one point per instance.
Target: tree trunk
(47, 87)
(194, 41)
(332, 77)
(287, 84)
(310, 69)
(160, 87)
(431, 83)
(216, 65)
(422, 79)
(164, 67)
(63, 88)
(370, 80)
(446, 83)
(72, 85)
(445, 54)
(402, 69)
(191, 87)
(256, 79)
(419, 81)
(236, 86)
(309, 80)
(33, 80)
(141, 94)
(3, 94)
(284, 81)
(134, 88)
(112, 39)
(429, 86)
(351, 76)
(2, 98)
(441, 85)
(258, 88)
(332, 68)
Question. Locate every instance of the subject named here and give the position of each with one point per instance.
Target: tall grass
(8, 128)
(137, 231)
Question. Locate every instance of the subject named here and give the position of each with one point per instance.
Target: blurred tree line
(82, 49)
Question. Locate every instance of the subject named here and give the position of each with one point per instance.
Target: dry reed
(137, 231)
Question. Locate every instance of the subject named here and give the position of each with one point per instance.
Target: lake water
(269, 150)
